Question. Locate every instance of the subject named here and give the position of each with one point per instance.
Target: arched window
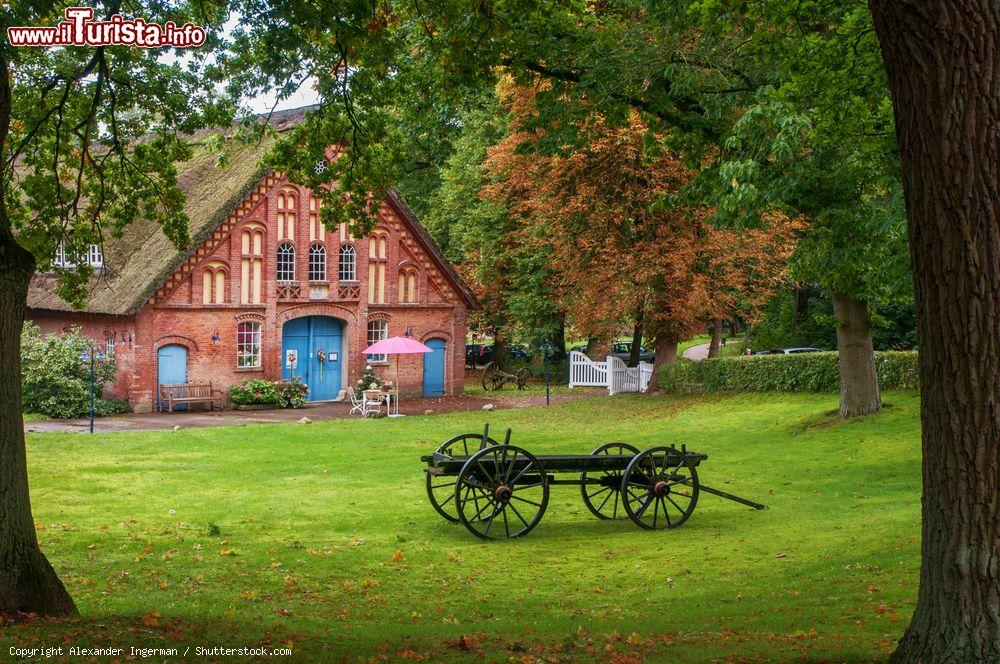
(406, 291)
(317, 262)
(286, 262)
(213, 288)
(377, 331)
(252, 263)
(377, 243)
(346, 269)
(248, 344)
(288, 207)
(316, 231)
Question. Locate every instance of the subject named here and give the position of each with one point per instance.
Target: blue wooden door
(308, 336)
(434, 368)
(171, 362)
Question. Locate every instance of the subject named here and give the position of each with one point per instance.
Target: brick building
(263, 280)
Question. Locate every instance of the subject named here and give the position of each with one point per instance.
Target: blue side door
(434, 368)
(171, 362)
(307, 336)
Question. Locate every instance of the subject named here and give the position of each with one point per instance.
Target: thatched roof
(138, 263)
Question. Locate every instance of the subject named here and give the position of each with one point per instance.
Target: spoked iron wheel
(604, 499)
(660, 488)
(490, 377)
(501, 492)
(441, 489)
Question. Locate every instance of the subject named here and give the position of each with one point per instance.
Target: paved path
(315, 412)
(699, 352)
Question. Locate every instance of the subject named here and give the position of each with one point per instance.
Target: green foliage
(291, 393)
(806, 372)
(254, 391)
(258, 391)
(56, 381)
(80, 112)
(893, 324)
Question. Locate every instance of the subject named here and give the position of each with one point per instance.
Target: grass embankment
(320, 536)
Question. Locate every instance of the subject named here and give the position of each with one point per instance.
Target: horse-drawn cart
(501, 491)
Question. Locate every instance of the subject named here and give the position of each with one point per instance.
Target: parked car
(519, 352)
(474, 354)
(623, 349)
(480, 354)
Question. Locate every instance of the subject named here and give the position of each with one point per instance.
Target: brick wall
(178, 315)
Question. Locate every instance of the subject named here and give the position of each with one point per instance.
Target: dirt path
(699, 352)
(315, 412)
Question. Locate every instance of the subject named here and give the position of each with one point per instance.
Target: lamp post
(88, 356)
(547, 348)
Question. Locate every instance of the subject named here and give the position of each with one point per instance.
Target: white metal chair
(371, 400)
(357, 405)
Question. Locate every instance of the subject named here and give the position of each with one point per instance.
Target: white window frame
(378, 330)
(93, 258)
(350, 274)
(285, 268)
(317, 262)
(248, 344)
(109, 346)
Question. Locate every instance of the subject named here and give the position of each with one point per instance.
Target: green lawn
(326, 542)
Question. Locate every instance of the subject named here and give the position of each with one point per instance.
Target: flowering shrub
(291, 393)
(368, 381)
(254, 391)
(56, 379)
(257, 391)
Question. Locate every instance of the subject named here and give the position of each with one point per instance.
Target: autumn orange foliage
(614, 246)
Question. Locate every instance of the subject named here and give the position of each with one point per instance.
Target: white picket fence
(612, 373)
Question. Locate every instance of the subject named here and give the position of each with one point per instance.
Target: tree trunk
(859, 393)
(633, 355)
(666, 352)
(28, 584)
(713, 347)
(559, 341)
(943, 68)
(598, 348)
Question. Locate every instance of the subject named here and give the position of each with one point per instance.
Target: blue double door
(316, 343)
(434, 368)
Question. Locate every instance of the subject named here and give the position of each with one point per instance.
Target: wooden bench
(184, 393)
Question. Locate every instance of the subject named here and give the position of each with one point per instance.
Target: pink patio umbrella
(397, 346)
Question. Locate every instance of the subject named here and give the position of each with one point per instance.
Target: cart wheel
(489, 376)
(604, 499)
(660, 488)
(522, 378)
(441, 489)
(501, 492)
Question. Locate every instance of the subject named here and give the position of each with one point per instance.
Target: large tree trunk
(28, 584)
(713, 347)
(633, 355)
(943, 62)
(859, 393)
(559, 342)
(666, 352)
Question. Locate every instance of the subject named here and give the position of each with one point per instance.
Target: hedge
(803, 372)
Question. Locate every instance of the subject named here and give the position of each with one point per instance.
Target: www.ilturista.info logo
(79, 29)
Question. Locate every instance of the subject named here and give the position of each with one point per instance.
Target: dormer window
(94, 257)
